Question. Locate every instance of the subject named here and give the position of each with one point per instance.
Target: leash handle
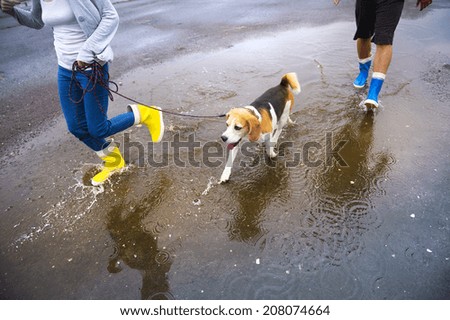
(95, 78)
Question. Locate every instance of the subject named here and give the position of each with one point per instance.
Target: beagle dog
(263, 120)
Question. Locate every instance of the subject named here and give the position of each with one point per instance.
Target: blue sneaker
(364, 67)
(374, 90)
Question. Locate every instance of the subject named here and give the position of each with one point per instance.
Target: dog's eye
(237, 128)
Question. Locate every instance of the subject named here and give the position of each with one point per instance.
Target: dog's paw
(291, 122)
(272, 154)
(225, 176)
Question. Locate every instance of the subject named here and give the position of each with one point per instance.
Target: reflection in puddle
(336, 207)
(344, 208)
(137, 246)
(252, 195)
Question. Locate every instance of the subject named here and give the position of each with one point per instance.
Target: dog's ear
(254, 131)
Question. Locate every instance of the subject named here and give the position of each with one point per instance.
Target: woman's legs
(85, 110)
(87, 119)
(96, 107)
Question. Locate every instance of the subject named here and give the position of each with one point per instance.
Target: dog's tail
(290, 79)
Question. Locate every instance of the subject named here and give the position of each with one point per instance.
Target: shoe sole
(96, 184)
(369, 103)
(118, 170)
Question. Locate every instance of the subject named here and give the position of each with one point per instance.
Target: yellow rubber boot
(112, 163)
(152, 117)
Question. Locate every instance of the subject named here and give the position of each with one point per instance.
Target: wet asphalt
(298, 227)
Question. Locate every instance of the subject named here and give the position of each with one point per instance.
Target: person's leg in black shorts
(365, 14)
(376, 21)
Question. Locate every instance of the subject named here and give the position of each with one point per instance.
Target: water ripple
(163, 257)
(156, 227)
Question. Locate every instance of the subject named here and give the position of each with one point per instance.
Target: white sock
(365, 60)
(379, 75)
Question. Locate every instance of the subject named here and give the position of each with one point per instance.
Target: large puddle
(299, 227)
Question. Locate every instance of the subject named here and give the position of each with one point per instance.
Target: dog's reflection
(254, 195)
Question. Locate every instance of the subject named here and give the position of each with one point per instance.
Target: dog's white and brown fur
(262, 120)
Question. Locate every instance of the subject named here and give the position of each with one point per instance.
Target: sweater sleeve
(98, 42)
(30, 18)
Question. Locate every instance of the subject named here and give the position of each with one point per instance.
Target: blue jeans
(88, 120)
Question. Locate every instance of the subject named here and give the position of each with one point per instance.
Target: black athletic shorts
(377, 18)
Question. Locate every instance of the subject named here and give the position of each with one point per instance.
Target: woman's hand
(423, 3)
(8, 5)
(82, 65)
(336, 2)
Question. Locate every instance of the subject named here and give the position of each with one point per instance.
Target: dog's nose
(224, 138)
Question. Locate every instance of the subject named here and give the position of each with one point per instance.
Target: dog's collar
(255, 111)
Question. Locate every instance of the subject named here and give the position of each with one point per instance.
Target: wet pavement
(298, 227)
